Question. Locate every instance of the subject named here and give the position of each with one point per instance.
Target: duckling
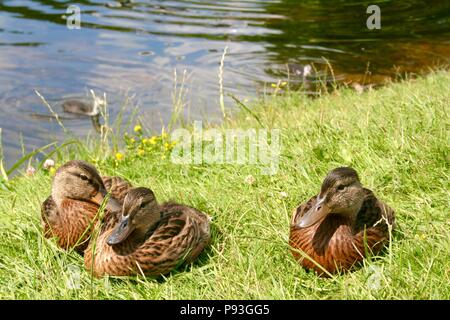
(148, 238)
(80, 107)
(71, 210)
(84, 108)
(92, 110)
(336, 227)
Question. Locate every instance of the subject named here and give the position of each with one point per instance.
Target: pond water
(133, 47)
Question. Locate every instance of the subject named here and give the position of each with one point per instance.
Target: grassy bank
(396, 138)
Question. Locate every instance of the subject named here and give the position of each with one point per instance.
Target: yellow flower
(273, 85)
(140, 152)
(283, 83)
(119, 156)
(173, 143)
(153, 140)
(145, 141)
(52, 171)
(137, 128)
(166, 145)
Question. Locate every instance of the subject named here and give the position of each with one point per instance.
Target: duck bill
(121, 232)
(319, 211)
(112, 205)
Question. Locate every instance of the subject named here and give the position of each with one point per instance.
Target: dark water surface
(133, 47)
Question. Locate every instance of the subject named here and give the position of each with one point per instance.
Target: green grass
(396, 138)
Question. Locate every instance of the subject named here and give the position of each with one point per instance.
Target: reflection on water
(133, 47)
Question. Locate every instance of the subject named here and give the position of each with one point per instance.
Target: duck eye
(341, 187)
(83, 177)
(142, 205)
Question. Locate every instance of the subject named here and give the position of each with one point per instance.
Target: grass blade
(246, 109)
(26, 157)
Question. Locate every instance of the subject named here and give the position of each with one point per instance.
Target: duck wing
(180, 237)
(374, 213)
(49, 216)
(117, 186)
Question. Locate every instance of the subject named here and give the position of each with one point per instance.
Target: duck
(333, 231)
(148, 238)
(78, 191)
(80, 107)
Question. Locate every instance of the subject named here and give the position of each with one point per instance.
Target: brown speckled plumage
(69, 222)
(117, 187)
(338, 242)
(180, 236)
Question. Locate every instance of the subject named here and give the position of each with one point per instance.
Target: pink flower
(30, 171)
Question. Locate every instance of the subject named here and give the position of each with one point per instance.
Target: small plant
(139, 145)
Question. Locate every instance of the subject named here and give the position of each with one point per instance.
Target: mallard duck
(149, 238)
(336, 227)
(77, 192)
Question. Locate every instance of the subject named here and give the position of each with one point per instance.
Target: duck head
(140, 213)
(341, 194)
(79, 180)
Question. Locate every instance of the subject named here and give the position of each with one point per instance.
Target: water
(133, 47)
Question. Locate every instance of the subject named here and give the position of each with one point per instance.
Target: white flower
(307, 70)
(49, 163)
(283, 194)
(30, 171)
(250, 180)
(358, 88)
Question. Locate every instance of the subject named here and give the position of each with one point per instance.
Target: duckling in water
(71, 210)
(87, 109)
(335, 227)
(80, 107)
(149, 238)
